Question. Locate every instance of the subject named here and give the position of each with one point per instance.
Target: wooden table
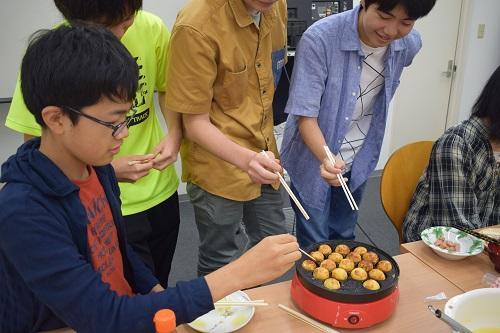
(416, 282)
(466, 274)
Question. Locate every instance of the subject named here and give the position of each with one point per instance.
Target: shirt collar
(478, 124)
(244, 19)
(352, 42)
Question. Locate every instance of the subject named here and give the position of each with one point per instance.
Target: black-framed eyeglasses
(117, 129)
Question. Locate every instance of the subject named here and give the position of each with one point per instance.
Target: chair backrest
(399, 180)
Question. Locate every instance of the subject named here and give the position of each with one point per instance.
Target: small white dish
(469, 245)
(477, 309)
(225, 319)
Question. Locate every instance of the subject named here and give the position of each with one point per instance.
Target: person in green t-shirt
(148, 181)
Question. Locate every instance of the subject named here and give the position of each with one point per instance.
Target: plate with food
(451, 243)
(225, 319)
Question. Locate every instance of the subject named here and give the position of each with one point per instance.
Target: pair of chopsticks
(258, 302)
(307, 320)
(308, 255)
(477, 234)
(289, 190)
(347, 192)
(134, 162)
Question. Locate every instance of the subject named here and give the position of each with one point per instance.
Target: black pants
(153, 235)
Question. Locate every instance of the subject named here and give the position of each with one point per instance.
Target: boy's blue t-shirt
(325, 85)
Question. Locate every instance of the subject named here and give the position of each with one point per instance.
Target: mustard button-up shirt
(221, 63)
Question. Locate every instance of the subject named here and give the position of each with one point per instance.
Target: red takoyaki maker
(351, 306)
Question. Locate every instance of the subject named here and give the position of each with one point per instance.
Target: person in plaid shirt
(461, 185)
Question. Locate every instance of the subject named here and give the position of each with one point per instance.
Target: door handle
(450, 69)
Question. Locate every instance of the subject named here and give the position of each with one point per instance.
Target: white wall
(20, 18)
(480, 57)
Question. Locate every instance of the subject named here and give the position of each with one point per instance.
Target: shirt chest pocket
(234, 88)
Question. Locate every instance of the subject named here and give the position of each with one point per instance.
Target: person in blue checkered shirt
(461, 185)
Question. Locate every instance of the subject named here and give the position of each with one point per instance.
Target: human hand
(262, 168)
(329, 171)
(269, 259)
(166, 151)
(132, 168)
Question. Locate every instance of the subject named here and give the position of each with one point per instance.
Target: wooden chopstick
(347, 192)
(289, 190)
(243, 303)
(134, 162)
(477, 234)
(307, 254)
(307, 320)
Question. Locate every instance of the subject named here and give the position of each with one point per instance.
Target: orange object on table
(164, 321)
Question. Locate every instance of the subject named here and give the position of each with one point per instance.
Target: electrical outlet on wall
(480, 30)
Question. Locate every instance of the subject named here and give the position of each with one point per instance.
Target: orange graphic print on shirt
(105, 254)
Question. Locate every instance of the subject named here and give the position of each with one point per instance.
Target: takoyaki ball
(328, 264)
(321, 273)
(347, 264)
(342, 249)
(376, 274)
(309, 265)
(339, 274)
(336, 257)
(355, 257)
(360, 250)
(366, 265)
(325, 249)
(371, 256)
(331, 284)
(371, 285)
(359, 274)
(384, 266)
(318, 256)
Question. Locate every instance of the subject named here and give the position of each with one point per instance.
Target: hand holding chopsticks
(289, 190)
(347, 192)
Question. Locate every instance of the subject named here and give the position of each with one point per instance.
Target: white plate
(225, 319)
(469, 245)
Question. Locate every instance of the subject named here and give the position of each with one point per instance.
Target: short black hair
(107, 12)
(76, 66)
(487, 105)
(414, 8)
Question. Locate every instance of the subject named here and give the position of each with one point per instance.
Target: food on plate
(321, 273)
(347, 264)
(371, 256)
(342, 249)
(325, 249)
(444, 244)
(339, 274)
(376, 274)
(371, 285)
(366, 265)
(331, 284)
(355, 257)
(309, 265)
(360, 250)
(384, 265)
(336, 257)
(328, 264)
(359, 274)
(318, 256)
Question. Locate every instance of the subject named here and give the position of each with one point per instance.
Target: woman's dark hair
(414, 8)
(106, 12)
(76, 66)
(487, 105)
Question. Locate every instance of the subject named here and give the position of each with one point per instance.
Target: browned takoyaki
(371, 256)
(347, 264)
(331, 284)
(328, 264)
(371, 285)
(342, 249)
(359, 274)
(384, 265)
(355, 257)
(339, 274)
(366, 265)
(376, 274)
(336, 257)
(309, 265)
(318, 256)
(321, 273)
(325, 249)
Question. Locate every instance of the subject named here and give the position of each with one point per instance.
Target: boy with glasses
(64, 260)
(148, 181)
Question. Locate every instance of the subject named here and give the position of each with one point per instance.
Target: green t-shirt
(147, 40)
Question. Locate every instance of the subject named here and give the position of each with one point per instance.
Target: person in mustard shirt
(148, 181)
(225, 58)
